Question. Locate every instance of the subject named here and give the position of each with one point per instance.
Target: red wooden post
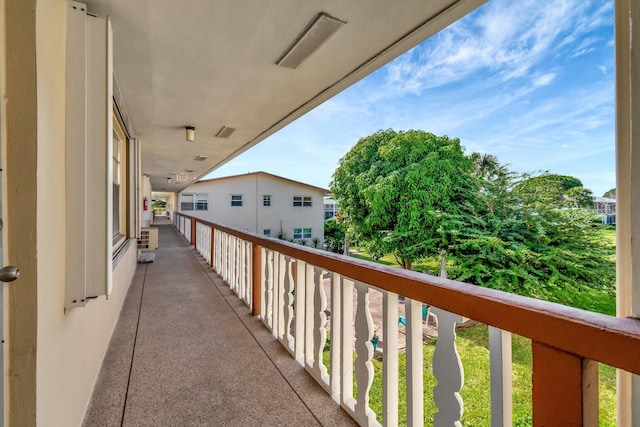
(565, 388)
(256, 279)
(193, 232)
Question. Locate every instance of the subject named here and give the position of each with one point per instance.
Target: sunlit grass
(473, 346)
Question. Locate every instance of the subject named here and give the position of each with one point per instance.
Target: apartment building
(259, 202)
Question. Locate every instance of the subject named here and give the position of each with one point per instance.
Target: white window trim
(302, 201)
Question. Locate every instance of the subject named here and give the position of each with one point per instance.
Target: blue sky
(531, 82)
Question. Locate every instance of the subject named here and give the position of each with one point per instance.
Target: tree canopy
(416, 195)
(611, 193)
(524, 238)
(403, 193)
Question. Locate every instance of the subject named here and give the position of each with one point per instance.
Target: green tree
(611, 193)
(404, 193)
(334, 235)
(526, 239)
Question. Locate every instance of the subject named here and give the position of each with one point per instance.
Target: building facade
(259, 202)
(606, 208)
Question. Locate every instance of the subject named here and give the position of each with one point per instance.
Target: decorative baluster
(233, 260)
(415, 363)
(319, 326)
(287, 308)
(308, 320)
(241, 268)
(300, 305)
(336, 338)
(225, 261)
(238, 264)
(277, 297)
(390, 359)
(346, 366)
(268, 289)
(223, 253)
(218, 251)
(364, 415)
(234, 265)
(448, 370)
(248, 282)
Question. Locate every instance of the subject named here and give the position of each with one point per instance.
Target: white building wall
(53, 357)
(255, 217)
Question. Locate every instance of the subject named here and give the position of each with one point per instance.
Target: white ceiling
(209, 63)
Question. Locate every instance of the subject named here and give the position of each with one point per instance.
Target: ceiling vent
(318, 31)
(201, 158)
(224, 132)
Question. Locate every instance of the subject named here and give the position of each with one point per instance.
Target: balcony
(214, 339)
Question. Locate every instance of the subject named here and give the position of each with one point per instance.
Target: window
(266, 232)
(119, 184)
(330, 210)
(236, 200)
(186, 202)
(300, 201)
(194, 202)
(202, 202)
(266, 200)
(301, 233)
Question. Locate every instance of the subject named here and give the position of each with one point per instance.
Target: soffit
(211, 63)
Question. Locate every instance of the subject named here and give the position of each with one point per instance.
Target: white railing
(309, 298)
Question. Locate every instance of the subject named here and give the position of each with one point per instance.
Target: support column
(627, 42)
(193, 232)
(19, 196)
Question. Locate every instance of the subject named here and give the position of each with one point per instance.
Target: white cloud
(505, 39)
(544, 80)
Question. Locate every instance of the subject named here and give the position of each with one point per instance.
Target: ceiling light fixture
(201, 158)
(225, 132)
(168, 180)
(314, 35)
(191, 133)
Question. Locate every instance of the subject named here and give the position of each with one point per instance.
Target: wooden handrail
(610, 340)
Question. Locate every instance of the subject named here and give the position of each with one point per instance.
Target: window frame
(302, 233)
(236, 200)
(120, 167)
(266, 200)
(198, 198)
(190, 206)
(302, 201)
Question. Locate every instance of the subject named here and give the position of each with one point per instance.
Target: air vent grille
(224, 132)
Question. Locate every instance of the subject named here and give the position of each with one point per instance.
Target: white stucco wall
(70, 347)
(255, 217)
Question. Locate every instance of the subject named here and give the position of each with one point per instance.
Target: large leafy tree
(528, 237)
(404, 193)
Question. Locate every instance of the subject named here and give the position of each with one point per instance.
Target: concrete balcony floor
(186, 351)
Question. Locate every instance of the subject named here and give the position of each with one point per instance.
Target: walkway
(187, 352)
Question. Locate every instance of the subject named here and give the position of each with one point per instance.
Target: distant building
(259, 202)
(330, 208)
(606, 208)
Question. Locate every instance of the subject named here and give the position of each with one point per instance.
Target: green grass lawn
(473, 346)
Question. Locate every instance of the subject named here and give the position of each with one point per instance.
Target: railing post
(193, 232)
(565, 388)
(500, 361)
(256, 276)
